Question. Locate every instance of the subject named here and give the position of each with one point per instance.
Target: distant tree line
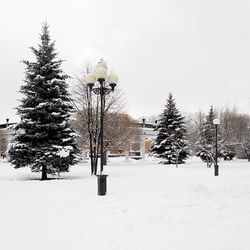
(233, 134)
(194, 135)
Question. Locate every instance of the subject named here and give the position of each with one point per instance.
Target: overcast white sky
(197, 49)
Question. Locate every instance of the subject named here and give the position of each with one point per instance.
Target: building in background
(139, 149)
(6, 133)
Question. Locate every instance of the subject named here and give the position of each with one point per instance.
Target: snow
(63, 151)
(66, 139)
(148, 206)
(54, 80)
(56, 113)
(39, 77)
(42, 104)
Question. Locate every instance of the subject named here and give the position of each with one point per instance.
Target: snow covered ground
(148, 207)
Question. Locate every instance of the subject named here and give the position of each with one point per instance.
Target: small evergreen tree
(44, 140)
(171, 144)
(205, 146)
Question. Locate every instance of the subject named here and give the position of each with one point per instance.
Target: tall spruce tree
(171, 144)
(44, 140)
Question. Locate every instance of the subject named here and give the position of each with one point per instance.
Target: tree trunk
(91, 154)
(248, 157)
(44, 173)
(208, 162)
(105, 157)
(95, 160)
(177, 160)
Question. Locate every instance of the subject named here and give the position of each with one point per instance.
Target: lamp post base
(216, 170)
(101, 184)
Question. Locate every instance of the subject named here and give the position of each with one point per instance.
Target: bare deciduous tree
(87, 118)
(121, 130)
(239, 132)
(234, 132)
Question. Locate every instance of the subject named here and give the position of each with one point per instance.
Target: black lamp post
(101, 84)
(216, 166)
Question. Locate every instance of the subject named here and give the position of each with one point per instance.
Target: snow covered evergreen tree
(205, 145)
(171, 144)
(44, 140)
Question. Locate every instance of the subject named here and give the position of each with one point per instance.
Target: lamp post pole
(101, 81)
(216, 170)
(216, 166)
(100, 76)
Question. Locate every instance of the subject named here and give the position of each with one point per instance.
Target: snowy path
(148, 207)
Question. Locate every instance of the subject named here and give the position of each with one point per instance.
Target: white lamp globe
(90, 78)
(216, 121)
(102, 64)
(100, 73)
(112, 78)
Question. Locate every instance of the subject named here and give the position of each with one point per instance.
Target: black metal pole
(102, 115)
(102, 178)
(216, 167)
